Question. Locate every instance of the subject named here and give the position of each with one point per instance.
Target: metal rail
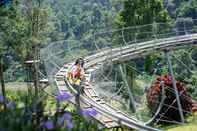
(108, 115)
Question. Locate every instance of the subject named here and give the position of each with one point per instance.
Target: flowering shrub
(33, 117)
(169, 108)
(64, 96)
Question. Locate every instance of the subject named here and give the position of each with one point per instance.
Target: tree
(141, 12)
(8, 20)
(5, 2)
(187, 9)
(181, 8)
(37, 27)
(23, 31)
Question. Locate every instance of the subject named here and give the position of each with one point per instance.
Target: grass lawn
(16, 86)
(189, 127)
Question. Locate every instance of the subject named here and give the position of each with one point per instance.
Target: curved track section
(108, 115)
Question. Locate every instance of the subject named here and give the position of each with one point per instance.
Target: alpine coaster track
(107, 115)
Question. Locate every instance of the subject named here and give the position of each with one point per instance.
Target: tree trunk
(2, 81)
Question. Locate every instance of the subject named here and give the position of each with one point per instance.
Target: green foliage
(7, 23)
(184, 9)
(142, 12)
(78, 19)
(185, 69)
(23, 27)
(150, 61)
(58, 20)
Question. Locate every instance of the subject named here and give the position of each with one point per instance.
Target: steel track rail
(142, 48)
(94, 61)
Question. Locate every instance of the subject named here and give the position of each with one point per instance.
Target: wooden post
(174, 85)
(33, 73)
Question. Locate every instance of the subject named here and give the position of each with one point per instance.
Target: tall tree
(38, 28)
(23, 30)
(140, 12)
(8, 20)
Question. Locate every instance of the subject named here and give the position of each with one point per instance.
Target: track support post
(132, 103)
(167, 54)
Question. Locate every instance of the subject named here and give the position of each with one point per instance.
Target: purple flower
(2, 99)
(90, 112)
(11, 105)
(67, 116)
(94, 112)
(61, 121)
(64, 96)
(49, 125)
(70, 125)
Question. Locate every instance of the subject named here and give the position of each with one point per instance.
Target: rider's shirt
(77, 72)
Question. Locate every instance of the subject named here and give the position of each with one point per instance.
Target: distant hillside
(77, 19)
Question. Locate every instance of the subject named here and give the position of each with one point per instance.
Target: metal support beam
(174, 85)
(163, 97)
(132, 103)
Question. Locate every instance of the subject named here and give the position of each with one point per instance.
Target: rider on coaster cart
(76, 74)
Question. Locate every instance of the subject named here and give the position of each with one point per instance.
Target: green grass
(189, 127)
(191, 124)
(16, 86)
